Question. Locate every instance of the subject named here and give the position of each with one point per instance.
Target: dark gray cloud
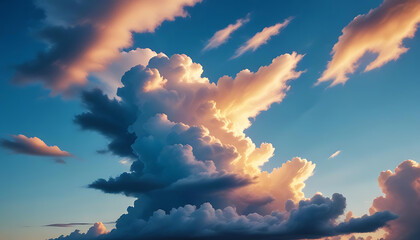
(310, 219)
(111, 118)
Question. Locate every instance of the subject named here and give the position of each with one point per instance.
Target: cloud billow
(195, 173)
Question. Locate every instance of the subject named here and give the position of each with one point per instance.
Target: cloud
(261, 38)
(380, 32)
(194, 171)
(401, 190)
(67, 224)
(34, 146)
(309, 219)
(98, 229)
(221, 36)
(334, 154)
(102, 118)
(85, 36)
(110, 77)
(95, 225)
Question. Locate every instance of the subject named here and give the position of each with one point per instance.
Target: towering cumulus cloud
(195, 174)
(380, 32)
(84, 36)
(402, 196)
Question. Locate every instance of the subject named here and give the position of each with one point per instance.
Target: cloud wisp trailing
(85, 36)
(194, 171)
(221, 36)
(380, 32)
(33, 146)
(261, 38)
(334, 154)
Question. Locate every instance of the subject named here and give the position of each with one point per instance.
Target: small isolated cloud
(223, 35)
(261, 38)
(335, 154)
(401, 190)
(33, 146)
(67, 224)
(380, 32)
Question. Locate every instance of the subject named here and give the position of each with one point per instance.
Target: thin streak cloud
(261, 38)
(334, 154)
(221, 36)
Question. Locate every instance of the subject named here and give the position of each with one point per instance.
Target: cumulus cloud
(335, 154)
(33, 146)
(221, 36)
(261, 38)
(380, 32)
(194, 172)
(110, 77)
(310, 218)
(401, 190)
(85, 36)
(98, 229)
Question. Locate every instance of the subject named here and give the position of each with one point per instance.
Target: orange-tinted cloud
(261, 38)
(401, 190)
(32, 146)
(380, 32)
(223, 35)
(335, 154)
(85, 36)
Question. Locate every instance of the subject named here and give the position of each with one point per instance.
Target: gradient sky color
(373, 119)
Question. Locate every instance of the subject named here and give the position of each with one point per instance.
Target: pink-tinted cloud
(335, 154)
(223, 35)
(401, 190)
(261, 38)
(32, 146)
(85, 36)
(380, 32)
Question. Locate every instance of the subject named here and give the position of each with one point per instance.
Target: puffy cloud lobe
(97, 230)
(380, 32)
(402, 197)
(110, 77)
(261, 38)
(33, 146)
(309, 219)
(110, 118)
(85, 36)
(221, 36)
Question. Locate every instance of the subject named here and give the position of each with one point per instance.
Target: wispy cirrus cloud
(380, 32)
(261, 38)
(221, 36)
(335, 154)
(33, 146)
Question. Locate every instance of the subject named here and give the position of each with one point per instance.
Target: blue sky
(373, 119)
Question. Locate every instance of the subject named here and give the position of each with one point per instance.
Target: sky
(209, 119)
